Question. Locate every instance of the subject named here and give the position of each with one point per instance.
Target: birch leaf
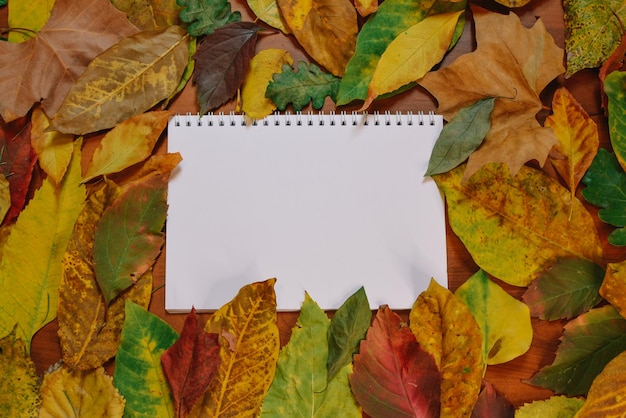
(53, 149)
(516, 227)
(30, 269)
(245, 373)
(446, 328)
(28, 16)
(412, 54)
(554, 407)
(19, 385)
(150, 14)
(78, 393)
(268, 12)
(505, 337)
(128, 143)
(138, 374)
(204, 16)
(113, 87)
(326, 30)
(606, 394)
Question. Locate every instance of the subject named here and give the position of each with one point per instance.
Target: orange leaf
(607, 394)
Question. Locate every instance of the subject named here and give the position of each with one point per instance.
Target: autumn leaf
(412, 54)
(129, 235)
(326, 30)
(53, 149)
(554, 406)
(606, 394)
(5, 199)
(461, 136)
(113, 86)
(588, 343)
(151, 14)
(128, 143)
(606, 185)
(245, 373)
(492, 404)
(30, 269)
(301, 386)
(613, 285)
(393, 375)
(138, 373)
(217, 80)
(91, 393)
(513, 3)
(75, 33)
(19, 385)
(516, 227)
(513, 64)
(567, 289)
(191, 364)
(204, 16)
(505, 337)
(578, 138)
(309, 84)
(447, 330)
(366, 7)
(26, 18)
(614, 88)
(262, 67)
(267, 11)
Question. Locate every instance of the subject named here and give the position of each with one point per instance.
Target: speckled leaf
(613, 287)
(138, 374)
(53, 149)
(553, 407)
(301, 386)
(75, 394)
(204, 16)
(614, 87)
(150, 14)
(19, 383)
(127, 79)
(516, 227)
(446, 328)
(606, 397)
(30, 269)
(89, 331)
(247, 370)
(505, 337)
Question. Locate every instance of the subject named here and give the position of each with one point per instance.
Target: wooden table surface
(507, 378)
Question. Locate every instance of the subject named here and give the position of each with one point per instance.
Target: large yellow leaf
(516, 227)
(607, 394)
(30, 270)
(326, 29)
(268, 12)
(249, 353)
(19, 383)
(69, 394)
(54, 149)
(445, 328)
(412, 54)
(263, 66)
(28, 17)
(128, 143)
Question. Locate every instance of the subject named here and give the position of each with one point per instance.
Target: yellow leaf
(28, 16)
(89, 332)
(326, 29)
(249, 359)
(262, 68)
(128, 143)
(5, 197)
(607, 394)
(158, 164)
(54, 149)
(268, 12)
(445, 328)
(412, 54)
(78, 393)
(366, 7)
(516, 227)
(30, 270)
(613, 287)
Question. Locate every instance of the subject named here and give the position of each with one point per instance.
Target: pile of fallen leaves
(79, 239)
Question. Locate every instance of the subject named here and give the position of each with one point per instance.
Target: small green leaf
(553, 407)
(204, 16)
(569, 288)
(347, 328)
(308, 83)
(138, 374)
(461, 136)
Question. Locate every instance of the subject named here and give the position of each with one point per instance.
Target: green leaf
(569, 288)
(347, 328)
(615, 88)
(301, 387)
(19, 383)
(30, 269)
(461, 136)
(553, 407)
(138, 374)
(129, 235)
(204, 16)
(606, 187)
(308, 84)
(505, 337)
(588, 343)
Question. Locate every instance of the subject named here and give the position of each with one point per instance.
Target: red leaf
(393, 375)
(222, 62)
(491, 404)
(191, 364)
(17, 159)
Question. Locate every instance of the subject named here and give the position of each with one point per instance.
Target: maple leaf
(45, 67)
(513, 64)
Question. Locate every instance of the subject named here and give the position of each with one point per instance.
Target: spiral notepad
(324, 203)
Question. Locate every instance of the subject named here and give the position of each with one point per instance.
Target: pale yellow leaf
(28, 17)
(5, 197)
(54, 149)
(268, 12)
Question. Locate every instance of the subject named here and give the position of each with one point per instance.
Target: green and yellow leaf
(553, 407)
(54, 149)
(150, 14)
(268, 12)
(28, 17)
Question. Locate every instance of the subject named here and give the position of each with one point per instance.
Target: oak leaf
(19, 385)
(513, 64)
(53, 148)
(75, 33)
(606, 395)
(150, 14)
(204, 16)
(26, 18)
